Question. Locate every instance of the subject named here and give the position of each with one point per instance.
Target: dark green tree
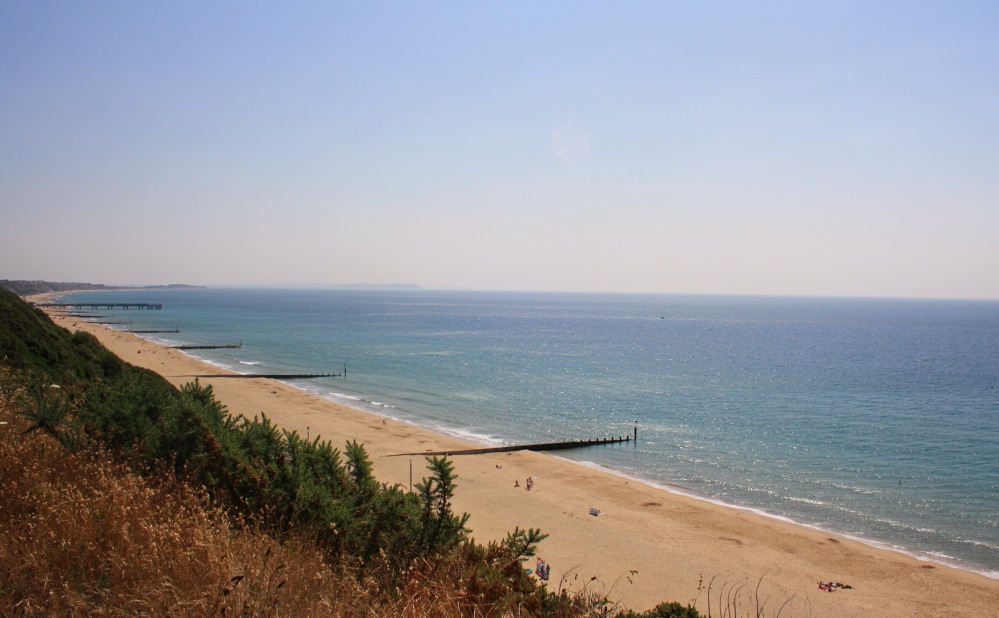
(441, 528)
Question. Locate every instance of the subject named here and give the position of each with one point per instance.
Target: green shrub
(665, 610)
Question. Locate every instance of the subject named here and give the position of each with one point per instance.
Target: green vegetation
(29, 341)
(665, 610)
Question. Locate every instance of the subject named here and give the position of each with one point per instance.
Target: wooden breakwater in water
(206, 347)
(176, 330)
(271, 376)
(156, 306)
(541, 446)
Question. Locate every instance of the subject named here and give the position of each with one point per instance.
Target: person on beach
(530, 483)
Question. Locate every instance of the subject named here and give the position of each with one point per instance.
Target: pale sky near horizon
(793, 148)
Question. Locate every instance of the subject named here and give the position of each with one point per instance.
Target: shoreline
(474, 443)
(649, 544)
(678, 490)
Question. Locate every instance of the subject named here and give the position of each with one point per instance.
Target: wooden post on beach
(636, 433)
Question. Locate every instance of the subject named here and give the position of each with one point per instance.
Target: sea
(877, 419)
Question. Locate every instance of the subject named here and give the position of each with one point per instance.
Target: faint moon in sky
(571, 142)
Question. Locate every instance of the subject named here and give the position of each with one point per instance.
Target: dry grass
(81, 534)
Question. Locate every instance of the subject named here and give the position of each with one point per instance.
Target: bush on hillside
(29, 341)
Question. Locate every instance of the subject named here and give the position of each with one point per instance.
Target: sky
(775, 148)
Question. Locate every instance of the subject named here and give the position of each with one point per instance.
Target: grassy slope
(30, 342)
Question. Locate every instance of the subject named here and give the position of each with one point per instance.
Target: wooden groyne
(205, 347)
(176, 330)
(104, 305)
(542, 446)
(271, 376)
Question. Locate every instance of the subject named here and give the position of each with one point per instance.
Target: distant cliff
(27, 288)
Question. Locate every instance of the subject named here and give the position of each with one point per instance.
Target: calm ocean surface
(877, 419)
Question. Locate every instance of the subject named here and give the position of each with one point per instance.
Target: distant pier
(272, 376)
(156, 306)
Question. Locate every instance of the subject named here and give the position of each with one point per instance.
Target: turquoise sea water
(877, 419)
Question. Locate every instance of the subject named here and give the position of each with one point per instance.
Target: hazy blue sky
(830, 148)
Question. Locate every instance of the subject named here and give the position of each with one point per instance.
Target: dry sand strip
(645, 545)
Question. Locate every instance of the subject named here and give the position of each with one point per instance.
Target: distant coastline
(341, 286)
(28, 288)
(23, 287)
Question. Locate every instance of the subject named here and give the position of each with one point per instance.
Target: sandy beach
(646, 545)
